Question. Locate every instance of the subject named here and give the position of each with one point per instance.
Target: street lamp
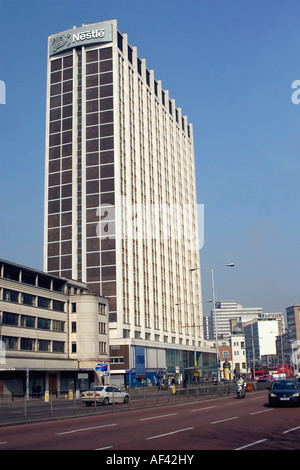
(214, 304)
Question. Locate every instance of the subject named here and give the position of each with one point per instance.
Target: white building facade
(238, 348)
(230, 312)
(260, 339)
(52, 332)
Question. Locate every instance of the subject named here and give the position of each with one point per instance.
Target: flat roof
(43, 273)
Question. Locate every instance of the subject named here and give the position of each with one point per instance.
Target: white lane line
(169, 433)
(222, 420)
(85, 429)
(262, 411)
(3, 443)
(104, 448)
(252, 444)
(157, 417)
(290, 430)
(201, 409)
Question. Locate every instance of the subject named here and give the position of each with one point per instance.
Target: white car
(104, 394)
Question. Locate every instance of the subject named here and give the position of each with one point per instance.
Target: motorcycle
(240, 390)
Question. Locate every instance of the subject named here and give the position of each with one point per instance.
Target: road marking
(103, 448)
(3, 443)
(262, 411)
(222, 420)
(206, 408)
(290, 430)
(169, 433)
(252, 444)
(85, 429)
(157, 417)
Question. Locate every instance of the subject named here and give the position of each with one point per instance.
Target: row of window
(105, 143)
(29, 321)
(32, 300)
(102, 349)
(30, 344)
(14, 343)
(105, 129)
(225, 354)
(116, 360)
(98, 67)
(102, 328)
(33, 279)
(139, 69)
(95, 172)
(94, 132)
(102, 91)
(99, 54)
(158, 338)
(62, 63)
(101, 308)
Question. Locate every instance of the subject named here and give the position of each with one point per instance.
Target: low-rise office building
(52, 332)
(260, 339)
(293, 334)
(238, 347)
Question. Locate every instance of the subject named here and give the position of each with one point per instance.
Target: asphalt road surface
(216, 424)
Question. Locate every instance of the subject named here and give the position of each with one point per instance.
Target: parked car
(284, 392)
(104, 394)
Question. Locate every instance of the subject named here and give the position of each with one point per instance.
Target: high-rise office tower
(119, 193)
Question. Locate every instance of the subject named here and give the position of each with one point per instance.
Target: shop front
(35, 383)
(161, 367)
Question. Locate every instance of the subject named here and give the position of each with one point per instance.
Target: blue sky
(229, 64)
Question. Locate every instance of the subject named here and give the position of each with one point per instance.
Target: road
(216, 424)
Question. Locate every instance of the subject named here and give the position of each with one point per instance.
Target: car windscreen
(284, 385)
(97, 388)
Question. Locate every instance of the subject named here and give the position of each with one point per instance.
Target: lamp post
(214, 304)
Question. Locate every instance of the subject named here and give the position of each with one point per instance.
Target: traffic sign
(100, 368)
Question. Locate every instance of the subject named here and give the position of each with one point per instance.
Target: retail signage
(140, 366)
(86, 35)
